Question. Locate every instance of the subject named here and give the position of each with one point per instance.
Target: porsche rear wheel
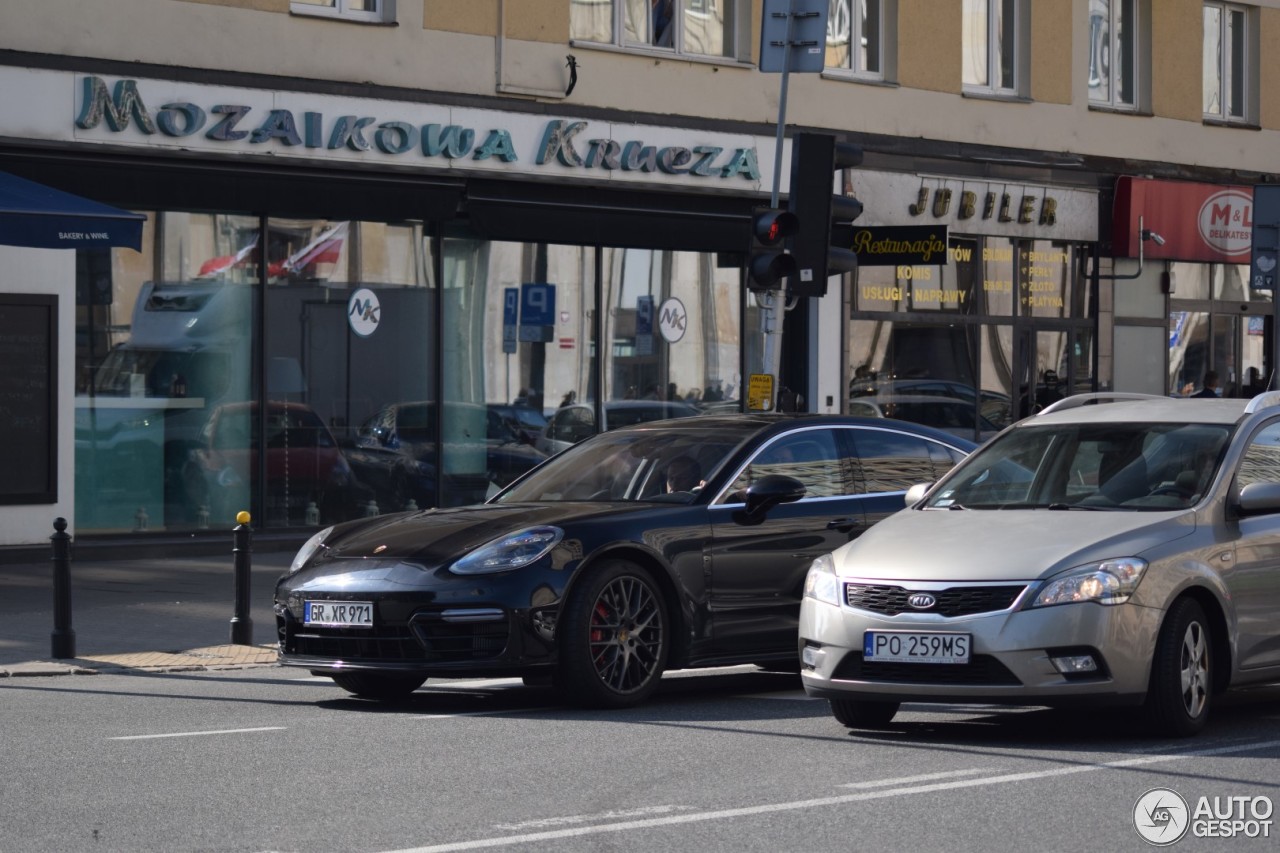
(379, 685)
(614, 637)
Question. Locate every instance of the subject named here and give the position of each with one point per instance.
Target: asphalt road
(729, 760)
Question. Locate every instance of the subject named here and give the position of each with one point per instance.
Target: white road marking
(586, 818)
(200, 734)
(924, 777)
(770, 808)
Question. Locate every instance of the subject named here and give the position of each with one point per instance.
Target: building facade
(386, 240)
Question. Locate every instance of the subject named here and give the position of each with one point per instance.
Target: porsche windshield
(1127, 466)
(643, 465)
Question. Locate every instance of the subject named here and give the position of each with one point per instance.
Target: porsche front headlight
(1104, 582)
(513, 551)
(308, 549)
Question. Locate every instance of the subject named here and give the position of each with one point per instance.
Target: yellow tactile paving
(210, 657)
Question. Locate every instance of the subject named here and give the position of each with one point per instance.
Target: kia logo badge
(921, 600)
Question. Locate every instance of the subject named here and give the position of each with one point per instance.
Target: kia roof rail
(1077, 400)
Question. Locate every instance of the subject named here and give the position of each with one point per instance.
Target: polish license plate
(915, 647)
(344, 614)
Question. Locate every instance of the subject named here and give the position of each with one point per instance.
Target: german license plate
(344, 614)
(915, 647)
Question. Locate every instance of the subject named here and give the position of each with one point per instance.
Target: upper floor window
(1229, 61)
(1113, 53)
(995, 35)
(374, 11)
(687, 27)
(859, 37)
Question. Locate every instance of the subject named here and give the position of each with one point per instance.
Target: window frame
(1020, 33)
(887, 18)
(385, 13)
(1227, 63)
(1138, 30)
(735, 36)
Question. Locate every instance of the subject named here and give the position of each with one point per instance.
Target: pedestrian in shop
(1210, 388)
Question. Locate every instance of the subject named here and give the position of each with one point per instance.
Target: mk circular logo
(363, 312)
(1161, 816)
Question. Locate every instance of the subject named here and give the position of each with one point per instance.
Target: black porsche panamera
(662, 546)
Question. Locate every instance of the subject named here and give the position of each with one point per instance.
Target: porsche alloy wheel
(614, 637)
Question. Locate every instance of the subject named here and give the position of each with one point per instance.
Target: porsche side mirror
(766, 493)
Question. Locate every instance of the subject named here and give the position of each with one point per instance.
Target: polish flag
(325, 249)
(216, 266)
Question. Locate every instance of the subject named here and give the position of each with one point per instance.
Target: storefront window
(672, 321)
(949, 346)
(518, 347)
(348, 363)
(1217, 323)
(997, 269)
(158, 356)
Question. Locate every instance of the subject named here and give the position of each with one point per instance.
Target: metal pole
(63, 638)
(241, 624)
(771, 305)
(782, 106)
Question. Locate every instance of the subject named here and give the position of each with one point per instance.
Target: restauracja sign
(564, 142)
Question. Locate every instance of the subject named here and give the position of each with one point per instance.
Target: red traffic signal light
(767, 263)
(771, 225)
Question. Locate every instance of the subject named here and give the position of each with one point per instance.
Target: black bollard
(241, 624)
(63, 638)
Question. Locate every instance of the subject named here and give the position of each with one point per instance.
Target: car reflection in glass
(660, 546)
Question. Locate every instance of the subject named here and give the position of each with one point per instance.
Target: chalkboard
(28, 398)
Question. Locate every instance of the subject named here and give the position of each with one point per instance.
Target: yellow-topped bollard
(241, 624)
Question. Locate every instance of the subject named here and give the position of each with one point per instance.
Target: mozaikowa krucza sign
(126, 109)
(154, 114)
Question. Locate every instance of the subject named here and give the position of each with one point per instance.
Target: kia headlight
(821, 584)
(308, 549)
(1105, 582)
(513, 551)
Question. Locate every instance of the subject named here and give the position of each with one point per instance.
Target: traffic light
(815, 157)
(767, 262)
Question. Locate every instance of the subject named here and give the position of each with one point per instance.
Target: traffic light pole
(770, 309)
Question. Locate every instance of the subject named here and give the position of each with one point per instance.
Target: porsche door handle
(844, 525)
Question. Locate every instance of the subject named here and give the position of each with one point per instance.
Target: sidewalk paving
(156, 614)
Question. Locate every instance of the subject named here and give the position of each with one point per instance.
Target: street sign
(760, 392)
(510, 317)
(644, 325)
(1266, 237)
(537, 312)
(793, 36)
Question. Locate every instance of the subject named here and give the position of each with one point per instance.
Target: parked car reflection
(958, 417)
(571, 424)
(394, 452)
(306, 469)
